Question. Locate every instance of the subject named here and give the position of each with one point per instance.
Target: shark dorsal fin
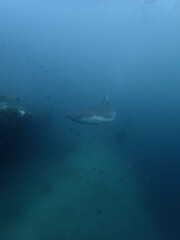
(105, 100)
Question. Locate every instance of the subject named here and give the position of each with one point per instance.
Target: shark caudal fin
(105, 99)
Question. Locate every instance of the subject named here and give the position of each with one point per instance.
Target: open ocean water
(63, 180)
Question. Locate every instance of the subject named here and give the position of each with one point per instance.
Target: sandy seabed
(90, 193)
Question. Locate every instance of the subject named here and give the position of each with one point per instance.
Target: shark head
(75, 117)
(101, 113)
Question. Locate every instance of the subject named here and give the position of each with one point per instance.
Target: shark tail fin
(105, 99)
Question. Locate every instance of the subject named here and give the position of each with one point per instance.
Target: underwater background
(63, 180)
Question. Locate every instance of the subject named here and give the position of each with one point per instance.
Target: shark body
(99, 114)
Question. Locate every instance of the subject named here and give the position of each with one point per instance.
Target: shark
(99, 114)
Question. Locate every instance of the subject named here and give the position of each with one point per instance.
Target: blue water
(85, 182)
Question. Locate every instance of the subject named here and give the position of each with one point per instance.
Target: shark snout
(74, 117)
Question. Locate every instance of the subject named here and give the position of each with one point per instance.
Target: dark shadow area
(24, 151)
(158, 169)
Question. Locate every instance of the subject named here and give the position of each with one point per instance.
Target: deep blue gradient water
(58, 56)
